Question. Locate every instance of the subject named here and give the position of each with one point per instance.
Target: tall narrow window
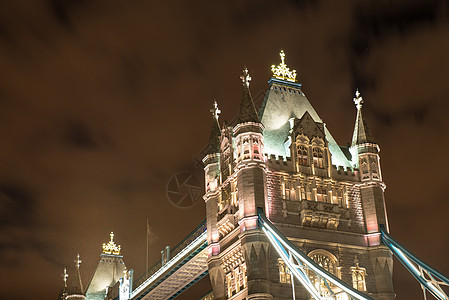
(358, 276)
(302, 155)
(256, 151)
(321, 194)
(337, 196)
(284, 273)
(246, 150)
(303, 192)
(229, 282)
(318, 160)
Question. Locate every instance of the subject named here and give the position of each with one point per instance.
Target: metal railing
(176, 249)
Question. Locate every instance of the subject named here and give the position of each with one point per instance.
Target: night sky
(102, 102)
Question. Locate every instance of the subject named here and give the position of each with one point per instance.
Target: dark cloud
(18, 205)
(418, 113)
(78, 135)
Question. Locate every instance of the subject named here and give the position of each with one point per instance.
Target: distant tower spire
(76, 290)
(246, 79)
(63, 293)
(214, 139)
(248, 112)
(64, 277)
(361, 134)
(77, 261)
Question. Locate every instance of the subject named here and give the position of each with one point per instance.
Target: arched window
(246, 149)
(328, 262)
(302, 155)
(256, 150)
(284, 273)
(358, 276)
(318, 160)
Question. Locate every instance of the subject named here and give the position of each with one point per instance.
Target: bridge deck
(188, 265)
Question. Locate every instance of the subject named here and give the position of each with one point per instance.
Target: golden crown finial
(111, 247)
(282, 71)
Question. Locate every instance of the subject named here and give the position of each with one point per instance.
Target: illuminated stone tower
(108, 272)
(285, 161)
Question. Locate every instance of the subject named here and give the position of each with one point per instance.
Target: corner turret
(212, 179)
(364, 151)
(247, 112)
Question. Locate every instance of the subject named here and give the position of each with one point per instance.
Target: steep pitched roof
(76, 285)
(282, 101)
(247, 112)
(214, 139)
(361, 134)
(63, 293)
(109, 270)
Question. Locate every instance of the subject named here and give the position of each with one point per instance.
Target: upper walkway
(187, 264)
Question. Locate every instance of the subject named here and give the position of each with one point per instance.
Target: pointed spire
(248, 112)
(63, 292)
(76, 286)
(214, 139)
(361, 134)
(64, 277)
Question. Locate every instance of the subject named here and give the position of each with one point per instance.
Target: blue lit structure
(430, 279)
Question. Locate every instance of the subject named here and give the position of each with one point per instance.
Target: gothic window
(234, 267)
(358, 276)
(236, 280)
(246, 150)
(288, 192)
(256, 149)
(374, 167)
(284, 273)
(337, 196)
(303, 192)
(318, 160)
(308, 192)
(321, 194)
(302, 155)
(364, 166)
(229, 283)
(328, 262)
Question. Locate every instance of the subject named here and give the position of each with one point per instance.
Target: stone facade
(328, 200)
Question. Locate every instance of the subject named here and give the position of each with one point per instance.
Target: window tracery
(358, 276)
(328, 262)
(284, 273)
(318, 158)
(302, 155)
(235, 270)
(321, 194)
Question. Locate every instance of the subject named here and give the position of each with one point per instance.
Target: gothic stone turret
(365, 156)
(285, 161)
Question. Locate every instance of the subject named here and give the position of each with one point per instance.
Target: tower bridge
(290, 214)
